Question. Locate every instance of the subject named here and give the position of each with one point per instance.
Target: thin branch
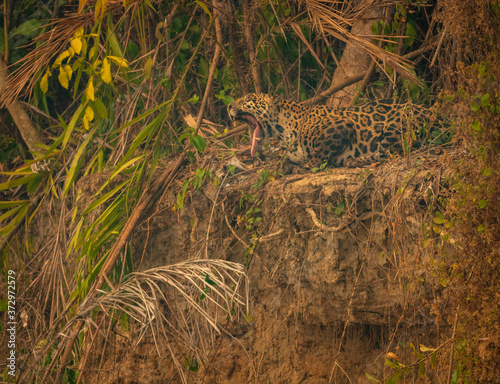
(251, 46)
(213, 67)
(452, 346)
(332, 89)
(349, 310)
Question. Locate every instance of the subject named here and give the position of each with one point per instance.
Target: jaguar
(352, 136)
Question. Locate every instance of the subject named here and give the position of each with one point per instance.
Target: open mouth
(257, 130)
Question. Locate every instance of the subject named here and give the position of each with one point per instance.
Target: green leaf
(101, 108)
(483, 203)
(72, 123)
(204, 7)
(20, 216)
(454, 377)
(485, 100)
(17, 182)
(371, 378)
(106, 71)
(70, 175)
(203, 68)
(433, 359)
(411, 33)
(198, 142)
(117, 171)
(10, 204)
(391, 364)
(33, 184)
(28, 28)
(438, 218)
(10, 212)
(147, 68)
(105, 197)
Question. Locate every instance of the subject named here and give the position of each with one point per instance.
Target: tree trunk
(355, 61)
(21, 118)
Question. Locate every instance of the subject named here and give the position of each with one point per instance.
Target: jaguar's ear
(272, 99)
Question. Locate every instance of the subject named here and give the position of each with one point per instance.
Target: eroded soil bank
(337, 274)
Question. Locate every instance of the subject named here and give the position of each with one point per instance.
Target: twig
(271, 236)
(437, 49)
(321, 226)
(243, 242)
(211, 75)
(349, 309)
(333, 89)
(364, 83)
(428, 47)
(83, 363)
(452, 346)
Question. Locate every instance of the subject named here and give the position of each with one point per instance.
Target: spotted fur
(350, 136)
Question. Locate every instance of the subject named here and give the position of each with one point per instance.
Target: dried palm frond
(185, 301)
(46, 47)
(327, 20)
(23, 79)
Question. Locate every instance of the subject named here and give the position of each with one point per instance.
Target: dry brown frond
(51, 43)
(328, 20)
(186, 301)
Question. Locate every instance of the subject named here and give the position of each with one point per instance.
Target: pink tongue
(255, 139)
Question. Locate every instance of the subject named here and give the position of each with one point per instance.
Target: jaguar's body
(350, 136)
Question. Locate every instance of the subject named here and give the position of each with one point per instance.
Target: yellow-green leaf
(44, 83)
(60, 58)
(71, 173)
(71, 53)
(118, 60)
(371, 378)
(423, 348)
(97, 10)
(106, 71)
(204, 7)
(76, 44)
(79, 32)
(13, 203)
(88, 117)
(104, 7)
(90, 91)
(63, 78)
(69, 71)
(147, 68)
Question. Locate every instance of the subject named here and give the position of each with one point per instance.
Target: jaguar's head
(258, 110)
